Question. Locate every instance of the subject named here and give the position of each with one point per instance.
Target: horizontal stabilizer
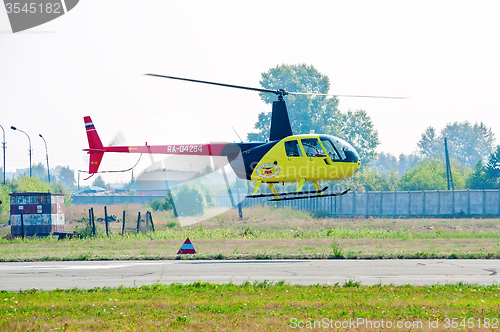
(95, 161)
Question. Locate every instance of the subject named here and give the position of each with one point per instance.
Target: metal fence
(394, 204)
(112, 199)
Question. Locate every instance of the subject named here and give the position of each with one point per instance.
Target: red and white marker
(187, 248)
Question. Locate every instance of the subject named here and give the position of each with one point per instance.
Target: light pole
(29, 139)
(3, 146)
(47, 154)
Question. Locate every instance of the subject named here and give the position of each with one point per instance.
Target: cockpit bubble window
(345, 150)
(312, 147)
(330, 149)
(292, 149)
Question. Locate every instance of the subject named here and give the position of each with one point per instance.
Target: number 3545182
(471, 323)
(33, 8)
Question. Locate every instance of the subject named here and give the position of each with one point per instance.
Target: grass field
(265, 233)
(261, 306)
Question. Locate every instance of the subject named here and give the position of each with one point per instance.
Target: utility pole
(47, 154)
(29, 139)
(449, 177)
(3, 146)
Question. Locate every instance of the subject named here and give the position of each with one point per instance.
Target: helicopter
(283, 158)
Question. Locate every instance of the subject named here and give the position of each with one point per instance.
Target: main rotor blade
(214, 83)
(276, 92)
(350, 96)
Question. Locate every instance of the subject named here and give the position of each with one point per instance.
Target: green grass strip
(251, 306)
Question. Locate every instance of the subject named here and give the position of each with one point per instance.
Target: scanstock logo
(26, 14)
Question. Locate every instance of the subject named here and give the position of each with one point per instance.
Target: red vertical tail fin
(96, 149)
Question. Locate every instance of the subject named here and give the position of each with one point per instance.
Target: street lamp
(3, 146)
(47, 154)
(29, 139)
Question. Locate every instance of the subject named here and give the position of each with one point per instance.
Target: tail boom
(96, 149)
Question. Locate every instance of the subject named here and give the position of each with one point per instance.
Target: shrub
(84, 229)
(163, 204)
(189, 201)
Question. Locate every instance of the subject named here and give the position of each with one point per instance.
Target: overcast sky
(444, 55)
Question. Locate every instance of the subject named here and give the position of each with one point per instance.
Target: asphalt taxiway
(90, 274)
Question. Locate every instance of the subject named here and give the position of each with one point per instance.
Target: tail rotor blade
(118, 140)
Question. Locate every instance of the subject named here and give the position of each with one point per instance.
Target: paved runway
(67, 275)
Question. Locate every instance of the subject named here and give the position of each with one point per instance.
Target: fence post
(340, 205)
(367, 204)
(151, 219)
(240, 213)
(106, 219)
(498, 202)
(484, 202)
(381, 203)
(439, 202)
(123, 223)
(90, 217)
(354, 204)
(395, 204)
(423, 203)
(147, 221)
(138, 221)
(93, 222)
(468, 202)
(409, 203)
(453, 202)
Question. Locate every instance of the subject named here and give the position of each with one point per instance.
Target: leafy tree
(428, 143)
(99, 182)
(431, 175)
(493, 165)
(308, 114)
(384, 162)
(486, 175)
(67, 176)
(5, 190)
(407, 162)
(315, 114)
(479, 178)
(357, 129)
(32, 184)
(467, 143)
(39, 171)
(351, 183)
(373, 180)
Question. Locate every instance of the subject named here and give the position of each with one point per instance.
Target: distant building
(89, 190)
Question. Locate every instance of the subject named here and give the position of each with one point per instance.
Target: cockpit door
(314, 150)
(295, 163)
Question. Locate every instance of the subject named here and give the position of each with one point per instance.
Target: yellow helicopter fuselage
(295, 159)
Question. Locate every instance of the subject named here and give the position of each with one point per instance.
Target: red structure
(36, 213)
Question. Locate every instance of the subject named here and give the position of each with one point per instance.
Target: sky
(443, 55)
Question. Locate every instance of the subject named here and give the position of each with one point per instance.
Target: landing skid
(284, 198)
(313, 196)
(290, 193)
